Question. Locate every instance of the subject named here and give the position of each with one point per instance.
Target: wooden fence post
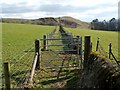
(78, 47)
(97, 45)
(7, 76)
(44, 42)
(81, 63)
(37, 51)
(91, 47)
(110, 50)
(87, 49)
(47, 40)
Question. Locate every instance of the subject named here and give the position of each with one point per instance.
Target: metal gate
(58, 53)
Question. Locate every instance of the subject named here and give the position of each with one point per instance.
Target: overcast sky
(85, 10)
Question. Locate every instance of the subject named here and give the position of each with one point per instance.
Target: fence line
(10, 49)
(19, 75)
(20, 57)
(22, 71)
(109, 54)
(28, 67)
(28, 62)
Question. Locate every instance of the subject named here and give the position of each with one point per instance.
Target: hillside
(66, 21)
(79, 22)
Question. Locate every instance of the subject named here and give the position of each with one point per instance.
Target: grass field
(0, 40)
(105, 38)
(18, 37)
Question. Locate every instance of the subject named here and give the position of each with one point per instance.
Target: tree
(113, 24)
(94, 24)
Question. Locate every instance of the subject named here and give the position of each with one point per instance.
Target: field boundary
(42, 45)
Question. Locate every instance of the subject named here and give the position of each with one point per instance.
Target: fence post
(44, 42)
(91, 47)
(7, 76)
(78, 49)
(81, 53)
(47, 40)
(87, 49)
(97, 44)
(110, 50)
(37, 51)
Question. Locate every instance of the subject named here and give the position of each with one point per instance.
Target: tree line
(111, 25)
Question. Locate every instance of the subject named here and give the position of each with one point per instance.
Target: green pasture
(105, 38)
(18, 37)
(0, 40)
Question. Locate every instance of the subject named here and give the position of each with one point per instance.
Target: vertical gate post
(78, 47)
(97, 45)
(81, 61)
(87, 49)
(7, 76)
(47, 41)
(110, 50)
(91, 47)
(37, 51)
(44, 42)
(79, 50)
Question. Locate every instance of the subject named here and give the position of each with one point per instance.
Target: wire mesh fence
(53, 60)
(103, 51)
(20, 66)
(110, 52)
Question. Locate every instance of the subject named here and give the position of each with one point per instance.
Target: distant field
(0, 39)
(16, 37)
(105, 37)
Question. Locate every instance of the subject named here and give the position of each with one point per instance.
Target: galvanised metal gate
(58, 53)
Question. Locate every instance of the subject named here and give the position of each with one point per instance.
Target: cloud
(11, 8)
(51, 8)
(81, 9)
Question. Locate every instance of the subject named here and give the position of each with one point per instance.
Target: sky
(85, 10)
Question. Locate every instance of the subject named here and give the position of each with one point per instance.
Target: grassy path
(47, 77)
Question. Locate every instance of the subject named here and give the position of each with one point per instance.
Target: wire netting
(20, 65)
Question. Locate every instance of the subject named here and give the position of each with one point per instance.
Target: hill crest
(66, 21)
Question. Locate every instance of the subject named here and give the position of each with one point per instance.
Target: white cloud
(86, 3)
(101, 10)
(89, 3)
(90, 8)
(11, 1)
